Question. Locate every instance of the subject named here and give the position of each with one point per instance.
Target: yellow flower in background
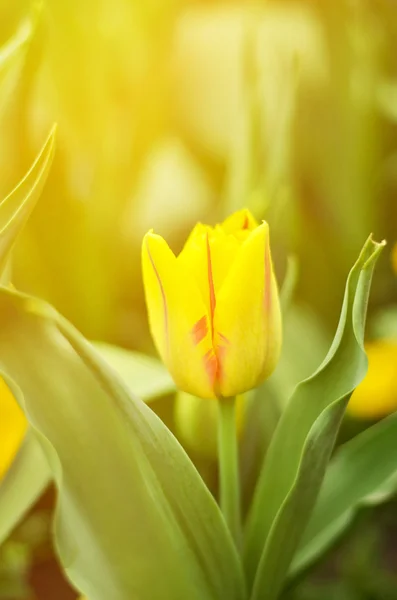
(376, 396)
(214, 310)
(12, 427)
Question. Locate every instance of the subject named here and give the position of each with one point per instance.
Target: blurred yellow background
(174, 111)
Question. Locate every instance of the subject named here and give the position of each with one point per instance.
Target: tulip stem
(229, 482)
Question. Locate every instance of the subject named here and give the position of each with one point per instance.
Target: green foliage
(29, 473)
(362, 472)
(115, 463)
(301, 446)
(129, 498)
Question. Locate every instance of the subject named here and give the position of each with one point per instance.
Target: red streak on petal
(220, 353)
(211, 366)
(211, 362)
(224, 338)
(200, 330)
(211, 287)
(165, 308)
(214, 357)
(246, 222)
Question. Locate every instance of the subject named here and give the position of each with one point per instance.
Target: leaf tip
(373, 250)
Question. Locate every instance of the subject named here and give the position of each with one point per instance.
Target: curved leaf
(30, 474)
(359, 474)
(300, 449)
(130, 500)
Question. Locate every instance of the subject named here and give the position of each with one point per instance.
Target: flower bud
(214, 310)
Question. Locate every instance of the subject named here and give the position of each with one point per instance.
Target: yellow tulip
(214, 310)
(376, 396)
(12, 428)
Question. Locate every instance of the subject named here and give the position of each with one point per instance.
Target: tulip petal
(193, 258)
(179, 319)
(247, 318)
(209, 246)
(242, 220)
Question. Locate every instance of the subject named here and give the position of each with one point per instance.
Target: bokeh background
(173, 111)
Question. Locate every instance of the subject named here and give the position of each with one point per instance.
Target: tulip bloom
(12, 427)
(214, 310)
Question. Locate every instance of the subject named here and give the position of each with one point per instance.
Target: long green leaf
(16, 208)
(358, 475)
(23, 484)
(30, 474)
(134, 519)
(300, 449)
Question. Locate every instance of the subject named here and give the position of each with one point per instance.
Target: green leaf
(16, 208)
(143, 375)
(29, 474)
(23, 484)
(134, 519)
(300, 449)
(362, 472)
